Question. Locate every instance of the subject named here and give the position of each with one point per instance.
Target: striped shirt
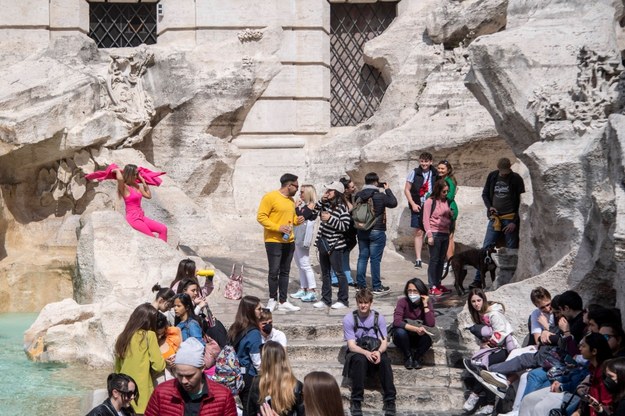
(333, 230)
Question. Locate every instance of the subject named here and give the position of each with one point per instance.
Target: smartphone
(268, 400)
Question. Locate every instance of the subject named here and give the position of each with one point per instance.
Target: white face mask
(415, 298)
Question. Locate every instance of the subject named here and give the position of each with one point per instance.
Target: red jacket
(167, 401)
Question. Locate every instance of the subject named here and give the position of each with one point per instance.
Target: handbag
(234, 287)
(211, 351)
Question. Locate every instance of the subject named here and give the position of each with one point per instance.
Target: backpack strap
(238, 340)
(355, 322)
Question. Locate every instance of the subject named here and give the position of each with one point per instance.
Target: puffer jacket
(167, 401)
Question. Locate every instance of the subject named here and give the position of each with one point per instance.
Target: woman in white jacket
(304, 234)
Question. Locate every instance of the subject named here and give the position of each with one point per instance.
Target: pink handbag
(234, 288)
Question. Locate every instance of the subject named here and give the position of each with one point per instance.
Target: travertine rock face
(556, 122)
(456, 22)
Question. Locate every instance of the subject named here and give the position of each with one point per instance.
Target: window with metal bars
(120, 25)
(356, 88)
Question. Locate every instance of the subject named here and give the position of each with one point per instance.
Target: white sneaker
(299, 294)
(471, 401)
(485, 410)
(338, 305)
(310, 297)
(320, 305)
(271, 304)
(288, 307)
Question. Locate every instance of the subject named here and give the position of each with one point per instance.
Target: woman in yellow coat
(137, 353)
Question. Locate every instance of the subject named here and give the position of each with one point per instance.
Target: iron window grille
(120, 25)
(356, 88)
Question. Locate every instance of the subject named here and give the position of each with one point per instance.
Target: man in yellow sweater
(276, 214)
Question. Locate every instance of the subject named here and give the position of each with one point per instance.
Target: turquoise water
(38, 389)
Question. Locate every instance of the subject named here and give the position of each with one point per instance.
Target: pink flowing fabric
(150, 177)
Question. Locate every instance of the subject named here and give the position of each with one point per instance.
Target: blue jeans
(536, 379)
(491, 237)
(438, 251)
(346, 269)
(371, 245)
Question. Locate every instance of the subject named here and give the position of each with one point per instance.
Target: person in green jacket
(446, 171)
(137, 353)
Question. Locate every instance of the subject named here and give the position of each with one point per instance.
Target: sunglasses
(129, 394)
(296, 186)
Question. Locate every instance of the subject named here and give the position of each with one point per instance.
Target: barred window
(356, 88)
(120, 25)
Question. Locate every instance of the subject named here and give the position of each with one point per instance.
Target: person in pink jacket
(437, 217)
(132, 192)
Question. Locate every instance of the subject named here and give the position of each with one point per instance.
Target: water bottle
(286, 236)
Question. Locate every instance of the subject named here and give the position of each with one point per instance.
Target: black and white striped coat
(333, 230)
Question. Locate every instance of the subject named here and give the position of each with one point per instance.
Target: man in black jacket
(371, 242)
(502, 198)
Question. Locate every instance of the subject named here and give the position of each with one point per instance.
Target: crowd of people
(571, 365)
(174, 357)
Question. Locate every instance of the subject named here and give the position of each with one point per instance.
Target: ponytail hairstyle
(164, 293)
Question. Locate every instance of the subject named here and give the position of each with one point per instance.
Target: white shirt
(276, 336)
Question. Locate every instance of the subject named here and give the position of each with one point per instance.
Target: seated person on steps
(365, 332)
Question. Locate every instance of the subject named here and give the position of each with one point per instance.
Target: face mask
(610, 385)
(416, 299)
(267, 328)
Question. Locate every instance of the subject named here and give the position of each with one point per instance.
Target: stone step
(415, 400)
(433, 376)
(330, 351)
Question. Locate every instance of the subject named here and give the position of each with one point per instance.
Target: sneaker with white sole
(495, 389)
(310, 297)
(338, 305)
(485, 410)
(496, 379)
(471, 402)
(299, 294)
(288, 307)
(271, 304)
(320, 304)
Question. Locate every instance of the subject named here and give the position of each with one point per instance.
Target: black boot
(355, 409)
(389, 408)
(408, 363)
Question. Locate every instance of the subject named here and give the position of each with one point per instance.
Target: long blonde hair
(276, 378)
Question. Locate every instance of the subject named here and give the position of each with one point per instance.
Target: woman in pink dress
(132, 192)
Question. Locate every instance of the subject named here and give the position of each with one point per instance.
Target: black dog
(479, 258)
